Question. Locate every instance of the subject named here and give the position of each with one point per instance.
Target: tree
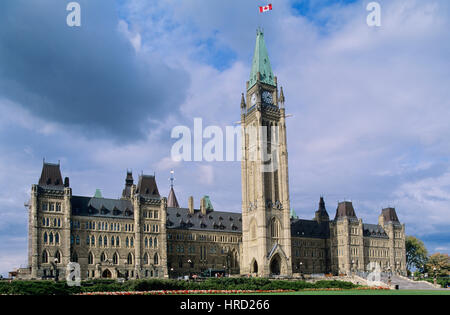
(416, 253)
(439, 261)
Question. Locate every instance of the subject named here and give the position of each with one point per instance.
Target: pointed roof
(126, 192)
(293, 214)
(321, 213)
(147, 186)
(172, 201)
(98, 193)
(389, 215)
(345, 209)
(261, 63)
(51, 175)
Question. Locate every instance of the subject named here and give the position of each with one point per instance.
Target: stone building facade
(145, 235)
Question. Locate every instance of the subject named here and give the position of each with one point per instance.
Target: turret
(321, 213)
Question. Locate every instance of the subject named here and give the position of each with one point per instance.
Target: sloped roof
(374, 230)
(261, 63)
(147, 186)
(51, 176)
(102, 207)
(179, 218)
(310, 228)
(389, 215)
(172, 201)
(345, 209)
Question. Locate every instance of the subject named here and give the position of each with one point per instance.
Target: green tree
(439, 261)
(416, 253)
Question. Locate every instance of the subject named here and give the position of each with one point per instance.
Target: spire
(98, 193)
(172, 201)
(321, 213)
(281, 95)
(242, 101)
(261, 63)
(293, 214)
(126, 192)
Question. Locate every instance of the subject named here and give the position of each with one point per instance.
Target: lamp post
(435, 280)
(190, 267)
(300, 266)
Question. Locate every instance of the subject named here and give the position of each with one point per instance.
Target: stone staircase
(407, 284)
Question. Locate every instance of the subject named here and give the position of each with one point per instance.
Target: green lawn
(368, 292)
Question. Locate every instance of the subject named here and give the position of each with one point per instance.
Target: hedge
(61, 288)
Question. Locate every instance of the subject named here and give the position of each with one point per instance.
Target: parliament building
(145, 235)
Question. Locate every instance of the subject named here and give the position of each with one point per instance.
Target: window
(156, 215)
(58, 207)
(74, 257)
(90, 259)
(52, 206)
(102, 257)
(130, 259)
(275, 228)
(132, 242)
(57, 238)
(77, 240)
(117, 241)
(58, 257)
(45, 238)
(44, 206)
(92, 241)
(100, 241)
(105, 241)
(145, 259)
(156, 259)
(127, 242)
(115, 259)
(44, 257)
(155, 242)
(51, 238)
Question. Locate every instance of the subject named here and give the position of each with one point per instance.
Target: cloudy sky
(370, 106)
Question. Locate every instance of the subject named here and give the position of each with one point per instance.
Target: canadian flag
(265, 8)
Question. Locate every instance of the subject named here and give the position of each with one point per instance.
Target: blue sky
(370, 106)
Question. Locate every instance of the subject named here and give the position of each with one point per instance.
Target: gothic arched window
(58, 257)
(57, 238)
(155, 242)
(115, 259)
(117, 241)
(127, 242)
(145, 259)
(130, 259)
(51, 238)
(45, 238)
(90, 259)
(44, 257)
(102, 257)
(275, 228)
(74, 257)
(156, 259)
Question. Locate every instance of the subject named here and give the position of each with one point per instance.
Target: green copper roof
(98, 193)
(208, 203)
(293, 214)
(261, 63)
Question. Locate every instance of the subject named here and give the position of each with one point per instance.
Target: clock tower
(266, 235)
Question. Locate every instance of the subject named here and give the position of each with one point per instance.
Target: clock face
(253, 99)
(267, 97)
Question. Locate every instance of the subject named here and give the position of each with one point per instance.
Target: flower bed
(182, 292)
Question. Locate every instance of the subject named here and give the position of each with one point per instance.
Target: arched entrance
(254, 267)
(275, 263)
(106, 274)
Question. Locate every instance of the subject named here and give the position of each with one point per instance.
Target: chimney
(191, 205)
(203, 206)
